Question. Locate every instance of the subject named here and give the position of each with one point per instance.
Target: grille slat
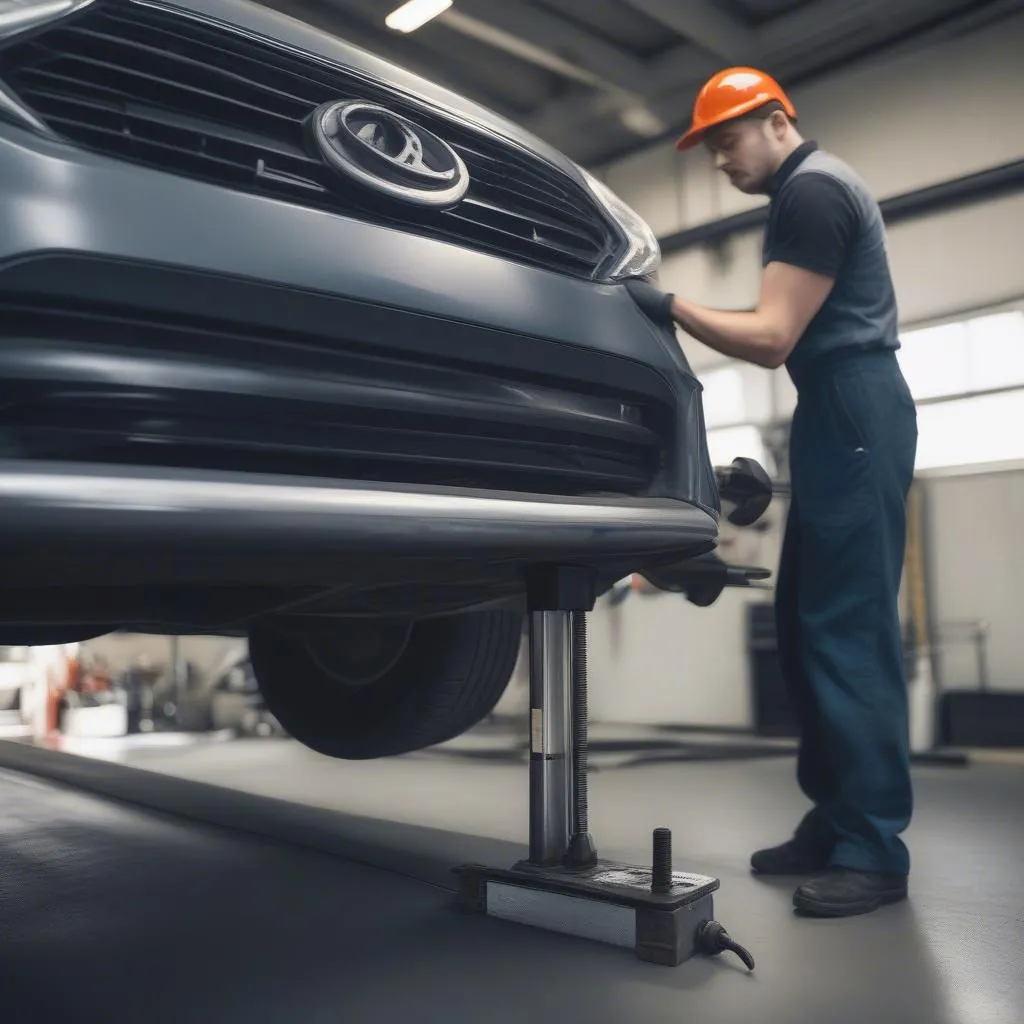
(99, 114)
(155, 87)
(174, 33)
(192, 64)
(495, 214)
(135, 85)
(105, 384)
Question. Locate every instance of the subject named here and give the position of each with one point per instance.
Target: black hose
(713, 939)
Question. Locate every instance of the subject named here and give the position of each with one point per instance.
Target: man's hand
(652, 301)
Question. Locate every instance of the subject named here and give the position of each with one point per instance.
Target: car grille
(156, 87)
(98, 384)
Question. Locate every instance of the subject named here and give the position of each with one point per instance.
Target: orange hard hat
(731, 94)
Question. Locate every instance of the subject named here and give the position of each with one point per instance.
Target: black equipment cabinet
(773, 712)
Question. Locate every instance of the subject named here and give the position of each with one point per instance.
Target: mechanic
(827, 311)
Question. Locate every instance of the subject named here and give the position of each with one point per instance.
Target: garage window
(730, 442)
(736, 403)
(967, 377)
(724, 403)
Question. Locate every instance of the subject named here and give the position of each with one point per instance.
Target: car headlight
(642, 256)
(19, 15)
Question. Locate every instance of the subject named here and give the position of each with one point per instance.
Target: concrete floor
(951, 954)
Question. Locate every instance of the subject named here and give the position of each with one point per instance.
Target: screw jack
(665, 917)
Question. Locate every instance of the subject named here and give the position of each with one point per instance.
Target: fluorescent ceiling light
(415, 14)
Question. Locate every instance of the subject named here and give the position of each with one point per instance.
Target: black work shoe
(844, 893)
(792, 858)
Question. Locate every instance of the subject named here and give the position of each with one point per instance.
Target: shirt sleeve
(816, 222)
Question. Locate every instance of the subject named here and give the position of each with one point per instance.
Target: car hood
(282, 28)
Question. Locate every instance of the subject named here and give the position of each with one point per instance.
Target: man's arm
(790, 298)
(816, 221)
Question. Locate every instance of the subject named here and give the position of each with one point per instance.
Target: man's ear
(779, 123)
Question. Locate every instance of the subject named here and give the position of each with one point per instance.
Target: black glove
(652, 301)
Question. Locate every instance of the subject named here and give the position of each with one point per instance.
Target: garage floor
(110, 912)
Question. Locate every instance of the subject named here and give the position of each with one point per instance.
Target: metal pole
(550, 736)
(582, 852)
(981, 648)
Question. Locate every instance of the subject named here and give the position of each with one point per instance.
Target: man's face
(746, 152)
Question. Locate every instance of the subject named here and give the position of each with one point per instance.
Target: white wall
(976, 574)
(659, 659)
(914, 121)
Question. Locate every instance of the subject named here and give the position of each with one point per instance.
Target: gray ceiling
(598, 78)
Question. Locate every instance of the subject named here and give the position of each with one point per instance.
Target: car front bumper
(120, 282)
(193, 527)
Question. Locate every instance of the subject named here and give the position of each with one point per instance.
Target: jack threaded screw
(661, 873)
(582, 852)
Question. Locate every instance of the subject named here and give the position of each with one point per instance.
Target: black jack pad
(610, 903)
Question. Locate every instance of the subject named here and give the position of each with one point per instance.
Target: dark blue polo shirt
(823, 218)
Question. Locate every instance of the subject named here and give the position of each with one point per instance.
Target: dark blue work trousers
(852, 451)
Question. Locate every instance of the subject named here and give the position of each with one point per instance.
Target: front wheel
(369, 689)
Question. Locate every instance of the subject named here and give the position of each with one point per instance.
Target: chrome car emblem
(388, 153)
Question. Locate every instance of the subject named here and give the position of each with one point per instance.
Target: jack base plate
(609, 902)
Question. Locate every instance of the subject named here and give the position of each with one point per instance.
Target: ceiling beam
(676, 74)
(931, 22)
(789, 41)
(404, 51)
(513, 44)
(679, 66)
(828, 21)
(610, 64)
(802, 30)
(707, 25)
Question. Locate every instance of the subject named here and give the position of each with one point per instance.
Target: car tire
(448, 677)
